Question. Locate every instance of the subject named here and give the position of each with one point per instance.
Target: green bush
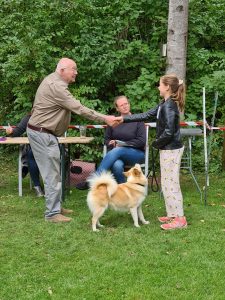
(117, 48)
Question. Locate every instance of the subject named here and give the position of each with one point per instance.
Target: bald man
(50, 118)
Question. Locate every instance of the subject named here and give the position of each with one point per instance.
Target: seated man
(27, 155)
(125, 143)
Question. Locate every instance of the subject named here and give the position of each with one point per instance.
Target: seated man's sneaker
(58, 218)
(39, 192)
(65, 211)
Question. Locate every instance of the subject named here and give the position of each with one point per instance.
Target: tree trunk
(177, 37)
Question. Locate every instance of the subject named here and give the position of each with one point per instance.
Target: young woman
(168, 141)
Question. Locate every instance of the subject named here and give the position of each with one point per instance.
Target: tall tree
(177, 37)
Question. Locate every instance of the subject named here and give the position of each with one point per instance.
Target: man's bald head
(67, 69)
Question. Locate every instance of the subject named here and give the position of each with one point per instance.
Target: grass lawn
(39, 260)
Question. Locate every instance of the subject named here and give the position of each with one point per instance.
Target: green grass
(39, 260)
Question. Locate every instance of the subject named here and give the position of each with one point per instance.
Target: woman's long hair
(177, 89)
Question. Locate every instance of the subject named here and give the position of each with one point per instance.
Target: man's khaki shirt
(54, 103)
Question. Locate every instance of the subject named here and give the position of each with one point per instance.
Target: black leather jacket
(167, 124)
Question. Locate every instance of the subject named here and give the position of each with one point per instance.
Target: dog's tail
(105, 178)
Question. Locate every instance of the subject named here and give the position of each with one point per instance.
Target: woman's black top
(167, 124)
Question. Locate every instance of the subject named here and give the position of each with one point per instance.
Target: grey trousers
(46, 152)
(170, 181)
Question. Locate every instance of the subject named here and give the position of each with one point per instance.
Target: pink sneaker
(165, 219)
(178, 222)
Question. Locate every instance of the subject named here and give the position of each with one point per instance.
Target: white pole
(212, 126)
(205, 146)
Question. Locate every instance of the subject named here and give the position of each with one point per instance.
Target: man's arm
(66, 100)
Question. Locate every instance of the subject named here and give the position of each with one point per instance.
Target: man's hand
(9, 130)
(113, 121)
(112, 143)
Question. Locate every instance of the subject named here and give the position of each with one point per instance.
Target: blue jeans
(33, 168)
(117, 158)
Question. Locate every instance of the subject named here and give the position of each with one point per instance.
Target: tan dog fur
(105, 191)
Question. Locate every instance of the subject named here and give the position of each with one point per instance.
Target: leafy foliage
(206, 67)
(116, 45)
(109, 41)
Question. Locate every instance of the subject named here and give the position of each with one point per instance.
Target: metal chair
(186, 162)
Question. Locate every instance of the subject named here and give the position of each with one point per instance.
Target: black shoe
(82, 186)
(24, 171)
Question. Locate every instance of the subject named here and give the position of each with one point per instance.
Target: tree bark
(177, 37)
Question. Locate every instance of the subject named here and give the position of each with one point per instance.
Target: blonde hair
(177, 88)
(118, 97)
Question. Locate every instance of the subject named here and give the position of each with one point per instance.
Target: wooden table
(62, 140)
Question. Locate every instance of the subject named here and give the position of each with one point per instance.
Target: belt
(40, 129)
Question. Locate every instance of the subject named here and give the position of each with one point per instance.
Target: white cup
(83, 131)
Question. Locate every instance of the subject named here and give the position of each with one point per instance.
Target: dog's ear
(136, 172)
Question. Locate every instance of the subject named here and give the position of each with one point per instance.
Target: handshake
(113, 121)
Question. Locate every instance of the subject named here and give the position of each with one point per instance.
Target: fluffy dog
(105, 191)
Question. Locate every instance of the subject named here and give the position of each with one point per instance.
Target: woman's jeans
(117, 158)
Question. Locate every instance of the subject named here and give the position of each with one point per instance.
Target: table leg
(68, 167)
(20, 172)
(63, 170)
